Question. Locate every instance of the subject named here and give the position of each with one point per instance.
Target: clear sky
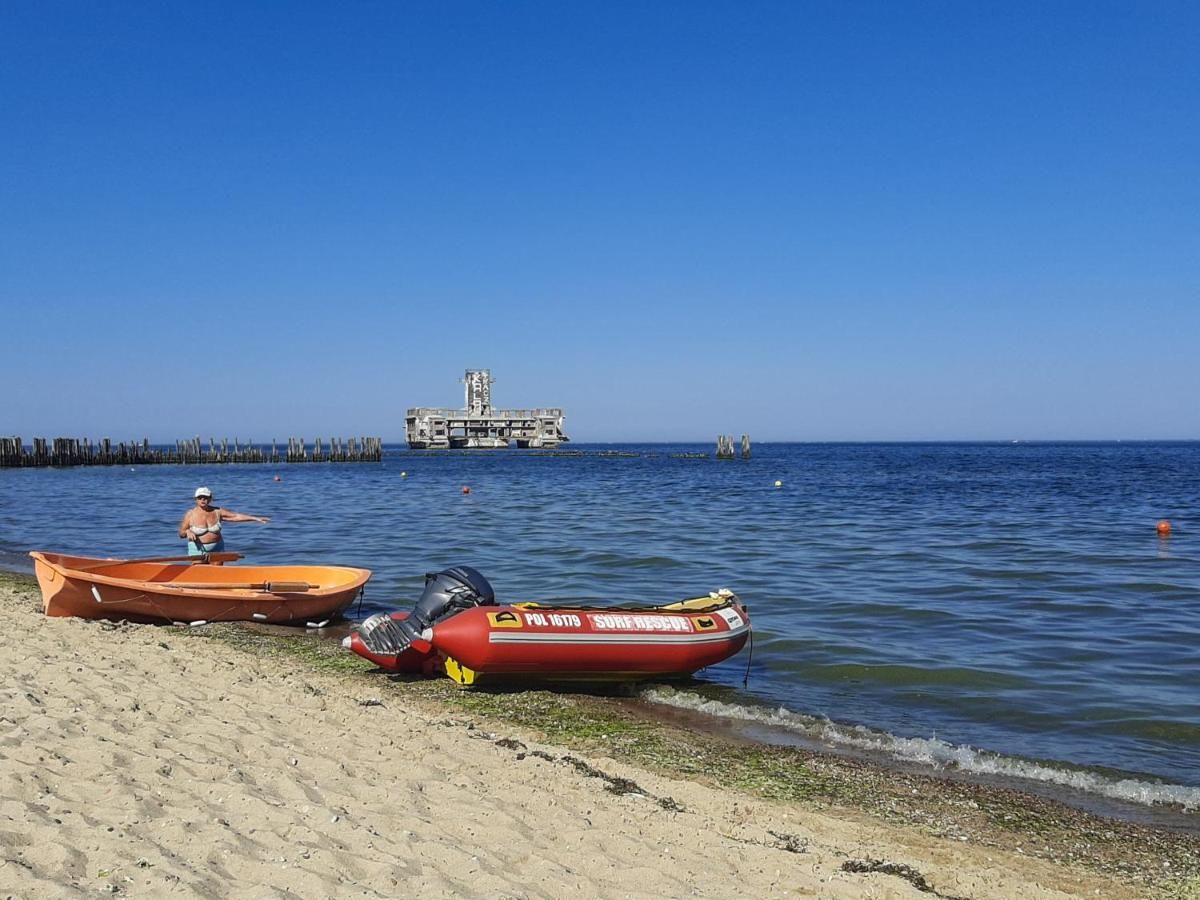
(801, 221)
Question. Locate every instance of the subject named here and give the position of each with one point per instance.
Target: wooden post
(73, 451)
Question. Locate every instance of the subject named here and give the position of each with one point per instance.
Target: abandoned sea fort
(480, 426)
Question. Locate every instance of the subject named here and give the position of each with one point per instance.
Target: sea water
(990, 609)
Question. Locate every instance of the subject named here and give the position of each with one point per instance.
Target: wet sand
(138, 760)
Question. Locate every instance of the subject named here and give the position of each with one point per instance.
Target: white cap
(203, 492)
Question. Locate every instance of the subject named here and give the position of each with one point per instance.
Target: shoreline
(1168, 817)
(754, 733)
(196, 761)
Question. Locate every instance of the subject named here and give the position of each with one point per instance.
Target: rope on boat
(103, 602)
(749, 659)
(565, 606)
(154, 602)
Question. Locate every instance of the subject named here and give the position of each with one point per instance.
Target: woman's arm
(184, 526)
(228, 515)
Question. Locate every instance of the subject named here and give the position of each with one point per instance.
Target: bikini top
(200, 529)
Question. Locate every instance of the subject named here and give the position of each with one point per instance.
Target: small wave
(934, 752)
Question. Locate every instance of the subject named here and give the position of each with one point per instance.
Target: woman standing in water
(201, 525)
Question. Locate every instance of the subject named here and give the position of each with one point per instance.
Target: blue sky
(804, 221)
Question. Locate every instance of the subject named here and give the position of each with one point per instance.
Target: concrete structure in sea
(478, 425)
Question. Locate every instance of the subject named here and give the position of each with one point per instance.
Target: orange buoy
(1163, 527)
(466, 489)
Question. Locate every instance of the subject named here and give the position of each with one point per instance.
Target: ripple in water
(933, 752)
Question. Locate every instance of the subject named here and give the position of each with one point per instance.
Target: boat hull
(528, 641)
(145, 591)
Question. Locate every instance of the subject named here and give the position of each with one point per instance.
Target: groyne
(63, 452)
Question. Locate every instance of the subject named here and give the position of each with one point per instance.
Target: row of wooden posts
(725, 446)
(82, 452)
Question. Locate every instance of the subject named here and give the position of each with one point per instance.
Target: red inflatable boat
(472, 640)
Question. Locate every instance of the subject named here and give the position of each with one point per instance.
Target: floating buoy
(1163, 527)
(778, 483)
(403, 474)
(466, 489)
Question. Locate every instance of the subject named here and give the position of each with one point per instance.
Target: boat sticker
(555, 620)
(704, 623)
(618, 622)
(732, 617)
(504, 619)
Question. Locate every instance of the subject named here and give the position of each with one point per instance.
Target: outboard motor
(446, 593)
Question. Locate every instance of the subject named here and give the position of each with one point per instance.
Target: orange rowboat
(178, 589)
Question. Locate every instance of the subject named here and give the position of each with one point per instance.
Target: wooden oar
(221, 556)
(270, 587)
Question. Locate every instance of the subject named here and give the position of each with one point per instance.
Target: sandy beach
(137, 760)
